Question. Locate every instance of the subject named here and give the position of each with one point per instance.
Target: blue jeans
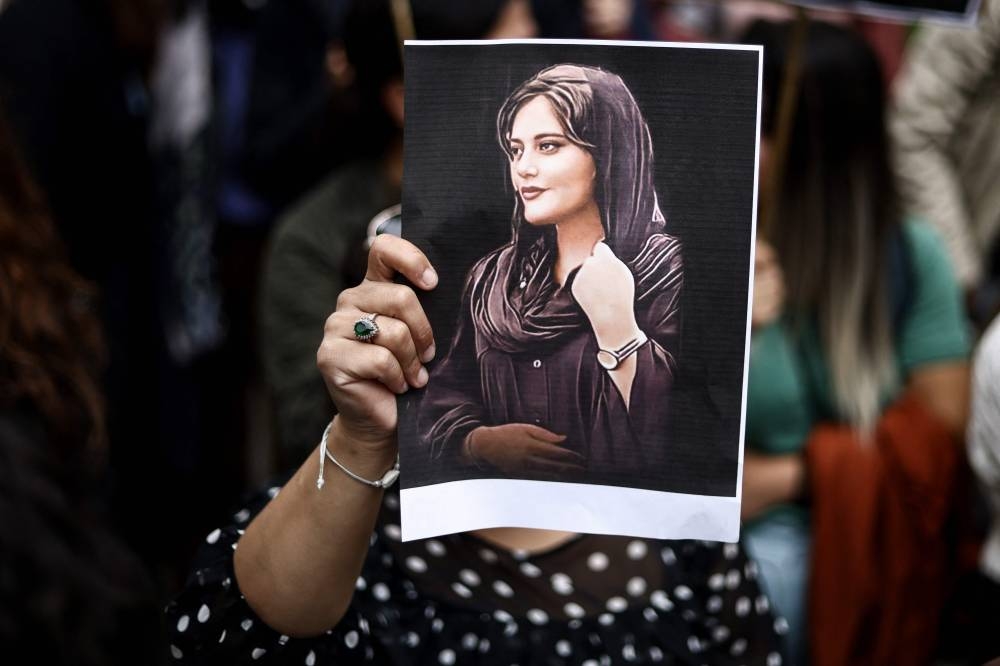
(780, 543)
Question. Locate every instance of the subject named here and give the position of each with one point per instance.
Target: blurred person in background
(858, 381)
(984, 456)
(113, 118)
(71, 593)
(946, 129)
(318, 247)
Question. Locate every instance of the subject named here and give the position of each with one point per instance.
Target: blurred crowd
(186, 186)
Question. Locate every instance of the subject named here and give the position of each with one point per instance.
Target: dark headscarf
(514, 299)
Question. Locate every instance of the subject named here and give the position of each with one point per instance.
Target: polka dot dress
(456, 600)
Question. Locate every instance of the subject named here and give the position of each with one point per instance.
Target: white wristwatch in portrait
(610, 359)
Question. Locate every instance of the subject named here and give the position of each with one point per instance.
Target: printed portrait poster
(940, 11)
(590, 210)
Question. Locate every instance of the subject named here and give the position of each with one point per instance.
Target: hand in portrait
(604, 288)
(522, 449)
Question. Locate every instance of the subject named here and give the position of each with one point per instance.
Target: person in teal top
(852, 305)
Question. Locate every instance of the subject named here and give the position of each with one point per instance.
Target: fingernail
(429, 278)
(428, 354)
(422, 377)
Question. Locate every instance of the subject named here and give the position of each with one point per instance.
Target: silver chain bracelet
(387, 479)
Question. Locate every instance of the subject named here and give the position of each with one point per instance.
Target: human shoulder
(333, 210)
(926, 248)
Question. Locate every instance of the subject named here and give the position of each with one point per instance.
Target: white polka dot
(510, 629)
(590, 662)
(668, 555)
(660, 599)
(469, 577)
(411, 639)
(530, 570)
(363, 626)
(222, 636)
(574, 610)
(461, 590)
(561, 583)
(435, 548)
(446, 657)
(351, 639)
(694, 645)
(636, 586)
(574, 624)
(716, 582)
(437, 625)
(470, 641)
(683, 592)
(393, 532)
(628, 652)
(597, 561)
(311, 658)
(742, 607)
(730, 551)
(257, 653)
(392, 501)
(650, 615)
(720, 633)
(781, 626)
(488, 556)
(774, 659)
(606, 619)
(182, 624)
(739, 647)
(204, 613)
(242, 515)
(636, 550)
(655, 653)
(213, 536)
(273, 491)
(714, 604)
(381, 591)
(616, 604)
(750, 570)
(503, 589)
(502, 616)
(175, 652)
(762, 605)
(416, 564)
(563, 648)
(484, 646)
(387, 560)
(246, 624)
(732, 579)
(689, 615)
(520, 554)
(282, 639)
(360, 584)
(537, 616)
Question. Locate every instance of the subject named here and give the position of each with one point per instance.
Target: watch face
(607, 360)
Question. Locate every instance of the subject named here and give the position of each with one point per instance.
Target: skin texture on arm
(298, 560)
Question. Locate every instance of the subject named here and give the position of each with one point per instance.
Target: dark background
(701, 107)
(958, 7)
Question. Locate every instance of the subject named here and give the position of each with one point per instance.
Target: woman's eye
(548, 147)
(514, 152)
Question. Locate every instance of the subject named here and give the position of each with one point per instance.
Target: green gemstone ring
(365, 328)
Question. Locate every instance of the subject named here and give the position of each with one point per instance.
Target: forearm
(771, 480)
(298, 561)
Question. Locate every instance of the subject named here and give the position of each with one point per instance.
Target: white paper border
(908, 16)
(593, 509)
(483, 503)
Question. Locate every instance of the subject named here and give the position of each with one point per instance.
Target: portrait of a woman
(565, 346)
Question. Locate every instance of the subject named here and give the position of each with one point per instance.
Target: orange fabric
(880, 552)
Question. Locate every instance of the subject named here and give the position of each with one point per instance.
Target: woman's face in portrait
(553, 176)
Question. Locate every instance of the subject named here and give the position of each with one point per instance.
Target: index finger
(390, 255)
